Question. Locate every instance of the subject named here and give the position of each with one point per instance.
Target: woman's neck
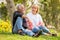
(34, 13)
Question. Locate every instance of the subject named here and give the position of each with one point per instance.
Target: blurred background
(49, 10)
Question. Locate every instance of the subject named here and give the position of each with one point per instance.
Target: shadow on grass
(6, 33)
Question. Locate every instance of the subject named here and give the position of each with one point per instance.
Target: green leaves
(18, 1)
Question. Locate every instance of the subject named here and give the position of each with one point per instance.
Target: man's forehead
(20, 5)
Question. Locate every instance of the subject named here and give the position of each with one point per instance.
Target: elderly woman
(35, 21)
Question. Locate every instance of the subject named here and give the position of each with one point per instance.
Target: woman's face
(34, 9)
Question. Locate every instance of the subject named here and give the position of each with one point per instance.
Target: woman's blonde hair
(35, 5)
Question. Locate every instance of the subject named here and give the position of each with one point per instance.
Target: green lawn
(10, 36)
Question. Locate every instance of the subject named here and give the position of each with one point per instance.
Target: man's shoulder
(16, 12)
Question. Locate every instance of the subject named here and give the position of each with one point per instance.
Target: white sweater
(36, 20)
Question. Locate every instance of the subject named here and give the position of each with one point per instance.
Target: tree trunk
(11, 8)
(24, 2)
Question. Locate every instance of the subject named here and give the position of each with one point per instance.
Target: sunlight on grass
(10, 36)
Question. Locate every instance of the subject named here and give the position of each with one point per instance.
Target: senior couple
(30, 24)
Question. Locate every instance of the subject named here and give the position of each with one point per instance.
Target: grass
(10, 36)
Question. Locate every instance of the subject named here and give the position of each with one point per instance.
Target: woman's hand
(40, 24)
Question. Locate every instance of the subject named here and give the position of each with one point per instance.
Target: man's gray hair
(18, 6)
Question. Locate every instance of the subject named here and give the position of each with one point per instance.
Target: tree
(11, 8)
(55, 12)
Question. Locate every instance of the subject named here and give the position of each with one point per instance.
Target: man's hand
(24, 16)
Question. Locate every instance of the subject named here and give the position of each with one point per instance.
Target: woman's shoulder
(38, 14)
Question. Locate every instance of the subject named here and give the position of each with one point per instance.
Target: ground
(10, 36)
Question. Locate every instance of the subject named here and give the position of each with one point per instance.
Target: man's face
(22, 9)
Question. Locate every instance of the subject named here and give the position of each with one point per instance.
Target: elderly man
(19, 22)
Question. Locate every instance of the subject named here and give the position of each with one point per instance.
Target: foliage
(5, 26)
(50, 12)
(18, 1)
(3, 11)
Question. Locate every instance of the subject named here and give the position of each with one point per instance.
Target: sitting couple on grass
(31, 24)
